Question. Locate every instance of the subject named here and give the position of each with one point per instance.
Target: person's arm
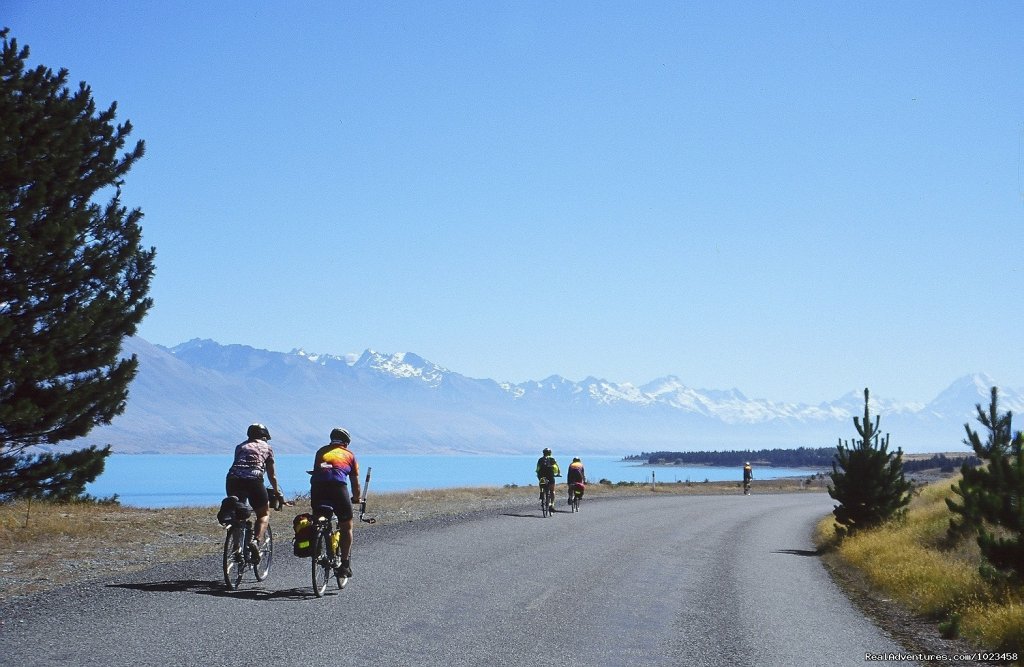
(353, 476)
(272, 476)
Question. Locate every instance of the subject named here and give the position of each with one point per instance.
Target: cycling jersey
(575, 473)
(334, 463)
(547, 468)
(251, 459)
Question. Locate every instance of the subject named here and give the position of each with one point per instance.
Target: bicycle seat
(323, 512)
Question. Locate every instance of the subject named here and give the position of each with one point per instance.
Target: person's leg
(345, 542)
(260, 503)
(262, 521)
(343, 508)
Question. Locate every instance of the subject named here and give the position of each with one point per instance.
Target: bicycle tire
(544, 504)
(266, 555)
(322, 571)
(234, 559)
(549, 498)
(575, 503)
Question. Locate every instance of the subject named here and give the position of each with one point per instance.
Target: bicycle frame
(240, 531)
(325, 557)
(547, 502)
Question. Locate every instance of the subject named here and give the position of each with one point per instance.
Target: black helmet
(257, 431)
(547, 451)
(340, 435)
(575, 459)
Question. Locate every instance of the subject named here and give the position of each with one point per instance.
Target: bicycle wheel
(544, 504)
(233, 558)
(322, 570)
(266, 555)
(551, 502)
(575, 502)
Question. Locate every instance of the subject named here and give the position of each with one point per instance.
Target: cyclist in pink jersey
(253, 457)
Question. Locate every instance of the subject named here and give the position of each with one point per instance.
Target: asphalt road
(667, 580)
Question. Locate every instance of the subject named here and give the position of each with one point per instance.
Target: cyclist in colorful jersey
(253, 457)
(547, 471)
(575, 476)
(333, 467)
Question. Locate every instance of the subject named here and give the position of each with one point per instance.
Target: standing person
(547, 471)
(253, 457)
(334, 466)
(575, 477)
(748, 474)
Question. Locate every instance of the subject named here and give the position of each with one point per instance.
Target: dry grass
(92, 539)
(95, 540)
(913, 562)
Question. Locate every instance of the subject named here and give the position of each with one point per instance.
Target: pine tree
(867, 479)
(73, 275)
(991, 494)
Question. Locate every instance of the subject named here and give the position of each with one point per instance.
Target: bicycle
(325, 549)
(326, 560)
(237, 555)
(577, 497)
(547, 498)
(746, 487)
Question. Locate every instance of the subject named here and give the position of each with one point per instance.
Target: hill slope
(199, 396)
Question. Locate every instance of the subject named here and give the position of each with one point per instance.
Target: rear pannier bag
(233, 508)
(302, 544)
(242, 511)
(227, 510)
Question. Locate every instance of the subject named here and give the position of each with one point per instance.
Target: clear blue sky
(796, 199)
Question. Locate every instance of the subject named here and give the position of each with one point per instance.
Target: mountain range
(198, 397)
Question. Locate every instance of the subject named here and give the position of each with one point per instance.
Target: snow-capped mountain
(199, 397)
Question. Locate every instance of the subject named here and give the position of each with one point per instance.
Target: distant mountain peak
(194, 396)
(402, 365)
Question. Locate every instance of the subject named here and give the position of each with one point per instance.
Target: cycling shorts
(248, 490)
(334, 494)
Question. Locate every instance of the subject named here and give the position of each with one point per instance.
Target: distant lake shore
(182, 480)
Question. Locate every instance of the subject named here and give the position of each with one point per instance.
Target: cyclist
(576, 477)
(333, 467)
(253, 457)
(547, 471)
(748, 474)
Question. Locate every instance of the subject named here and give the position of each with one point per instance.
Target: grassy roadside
(913, 563)
(96, 540)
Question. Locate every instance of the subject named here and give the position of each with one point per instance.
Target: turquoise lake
(167, 480)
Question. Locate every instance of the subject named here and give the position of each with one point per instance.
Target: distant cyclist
(575, 477)
(245, 479)
(547, 471)
(333, 468)
(748, 474)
